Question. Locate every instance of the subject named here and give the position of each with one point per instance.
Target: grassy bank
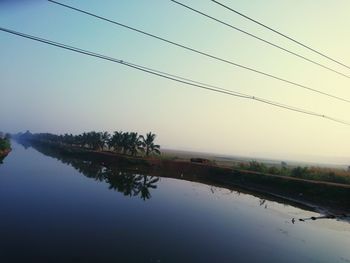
(308, 173)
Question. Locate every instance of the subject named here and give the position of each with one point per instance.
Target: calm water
(54, 212)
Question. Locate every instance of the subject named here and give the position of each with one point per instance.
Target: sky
(46, 89)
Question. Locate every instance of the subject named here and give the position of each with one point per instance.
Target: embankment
(333, 198)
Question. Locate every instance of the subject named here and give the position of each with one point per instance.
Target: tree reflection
(147, 182)
(131, 184)
(121, 179)
(24, 143)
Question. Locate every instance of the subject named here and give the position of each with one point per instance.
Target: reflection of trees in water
(87, 168)
(125, 181)
(24, 143)
(131, 184)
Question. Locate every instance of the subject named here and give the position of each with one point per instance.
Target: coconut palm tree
(125, 142)
(115, 141)
(94, 140)
(135, 143)
(148, 144)
(104, 138)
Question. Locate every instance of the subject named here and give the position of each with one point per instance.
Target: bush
(299, 172)
(274, 170)
(4, 144)
(257, 167)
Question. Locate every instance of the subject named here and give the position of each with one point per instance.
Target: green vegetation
(128, 143)
(309, 173)
(5, 146)
(4, 142)
(148, 144)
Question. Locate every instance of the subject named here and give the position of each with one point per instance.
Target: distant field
(309, 171)
(232, 160)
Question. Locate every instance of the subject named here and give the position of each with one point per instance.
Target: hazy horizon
(45, 89)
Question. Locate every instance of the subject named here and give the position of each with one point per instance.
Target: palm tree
(135, 143)
(104, 139)
(148, 144)
(95, 140)
(115, 141)
(125, 142)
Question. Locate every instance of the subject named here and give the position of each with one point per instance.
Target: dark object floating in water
(317, 217)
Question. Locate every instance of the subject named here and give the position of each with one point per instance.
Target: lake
(77, 211)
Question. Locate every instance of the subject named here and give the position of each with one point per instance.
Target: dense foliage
(310, 173)
(121, 142)
(4, 144)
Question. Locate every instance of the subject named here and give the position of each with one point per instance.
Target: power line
(173, 77)
(203, 53)
(281, 34)
(261, 39)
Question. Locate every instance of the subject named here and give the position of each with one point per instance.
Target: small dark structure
(200, 160)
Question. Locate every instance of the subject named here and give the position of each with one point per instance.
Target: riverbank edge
(4, 153)
(323, 197)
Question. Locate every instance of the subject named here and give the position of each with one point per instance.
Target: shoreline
(319, 196)
(4, 153)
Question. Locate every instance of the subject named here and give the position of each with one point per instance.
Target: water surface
(82, 212)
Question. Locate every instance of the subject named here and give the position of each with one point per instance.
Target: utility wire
(261, 39)
(171, 76)
(281, 34)
(204, 53)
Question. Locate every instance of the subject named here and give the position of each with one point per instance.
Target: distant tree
(258, 167)
(94, 140)
(4, 144)
(299, 171)
(115, 141)
(274, 170)
(105, 136)
(148, 144)
(134, 143)
(125, 142)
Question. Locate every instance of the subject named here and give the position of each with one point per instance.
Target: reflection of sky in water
(48, 206)
(267, 226)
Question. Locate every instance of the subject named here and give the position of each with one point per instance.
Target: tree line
(130, 143)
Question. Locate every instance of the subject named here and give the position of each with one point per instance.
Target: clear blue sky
(45, 89)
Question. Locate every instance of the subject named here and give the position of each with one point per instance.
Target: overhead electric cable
(259, 38)
(171, 76)
(282, 34)
(204, 53)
